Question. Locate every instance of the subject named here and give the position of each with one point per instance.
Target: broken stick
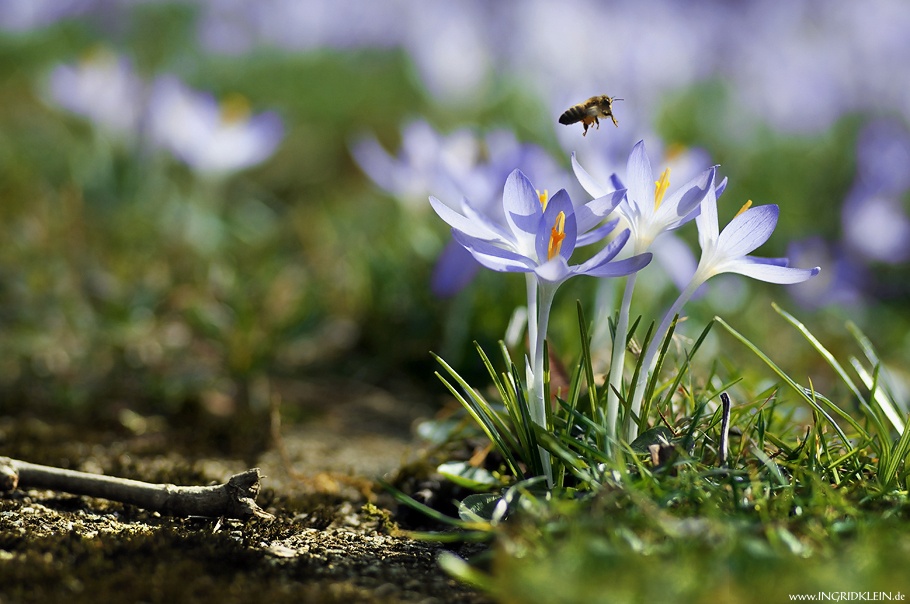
(234, 499)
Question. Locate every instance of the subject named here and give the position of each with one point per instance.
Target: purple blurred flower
(426, 162)
(28, 15)
(211, 138)
(237, 26)
(102, 88)
(874, 218)
(842, 283)
(802, 65)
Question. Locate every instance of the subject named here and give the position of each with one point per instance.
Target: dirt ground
(334, 538)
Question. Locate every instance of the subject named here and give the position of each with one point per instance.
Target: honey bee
(588, 112)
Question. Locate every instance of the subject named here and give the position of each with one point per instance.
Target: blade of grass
(436, 515)
(685, 364)
(532, 457)
(882, 399)
(833, 363)
(801, 391)
(586, 362)
(888, 472)
(486, 417)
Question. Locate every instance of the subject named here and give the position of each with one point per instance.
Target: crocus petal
(708, 230)
(522, 209)
(606, 254)
(719, 190)
(559, 203)
(555, 270)
(748, 230)
(588, 183)
(483, 219)
(493, 257)
(771, 273)
(774, 261)
(590, 214)
(462, 223)
(620, 268)
(597, 234)
(686, 198)
(640, 179)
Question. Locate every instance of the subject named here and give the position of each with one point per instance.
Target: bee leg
(615, 123)
(597, 121)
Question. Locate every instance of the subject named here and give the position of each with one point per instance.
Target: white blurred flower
(211, 138)
(102, 88)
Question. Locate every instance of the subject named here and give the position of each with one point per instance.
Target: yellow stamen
(745, 207)
(544, 198)
(660, 188)
(557, 234)
(235, 108)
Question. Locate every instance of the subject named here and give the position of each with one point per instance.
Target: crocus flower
(212, 138)
(452, 166)
(650, 212)
(648, 209)
(724, 251)
(103, 88)
(538, 240)
(727, 251)
(541, 233)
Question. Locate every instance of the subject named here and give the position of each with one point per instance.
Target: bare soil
(335, 538)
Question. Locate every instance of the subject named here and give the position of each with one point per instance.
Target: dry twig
(234, 499)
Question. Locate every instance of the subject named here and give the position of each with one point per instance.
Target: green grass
(813, 496)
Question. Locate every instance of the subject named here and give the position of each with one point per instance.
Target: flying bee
(588, 112)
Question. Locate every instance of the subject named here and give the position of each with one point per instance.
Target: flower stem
(617, 361)
(531, 285)
(650, 358)
(537, 397)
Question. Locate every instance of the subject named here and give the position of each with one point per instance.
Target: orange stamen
(557, 234)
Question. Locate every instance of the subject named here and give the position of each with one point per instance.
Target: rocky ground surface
(335, 537)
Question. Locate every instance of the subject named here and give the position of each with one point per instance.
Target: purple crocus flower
(726, 251)
(452, 166)
(651, 212)
(540, 234)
